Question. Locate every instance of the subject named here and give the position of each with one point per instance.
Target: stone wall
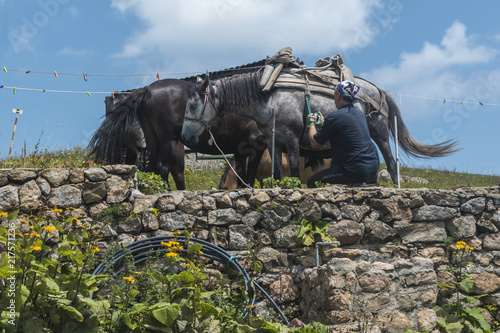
(393, 241)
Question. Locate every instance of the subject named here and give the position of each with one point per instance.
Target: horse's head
(201, 109)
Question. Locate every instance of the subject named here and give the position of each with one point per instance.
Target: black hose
(142, 249)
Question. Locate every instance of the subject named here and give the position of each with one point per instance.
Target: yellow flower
(129, 279)
(50, 228)
(23, 221)
(171, 254)
(167, 244)
(36, 248)
(94, 249)
(177, 248)
(3, 214)
(55, 210)
(176, 233)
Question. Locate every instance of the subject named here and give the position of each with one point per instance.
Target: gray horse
(241, 94)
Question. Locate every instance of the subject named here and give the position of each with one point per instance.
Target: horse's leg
(164, 161)
(277, 162)
(293, 150)
(256, 148)
(253, 165)
(228, 179)
(177, 164)
(240, 163)
(379, 131)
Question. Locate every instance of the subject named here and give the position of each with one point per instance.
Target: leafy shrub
(287, 182)
(45, 292)
(151, 183)
(456, 317)
(310, 233)
(170, 293)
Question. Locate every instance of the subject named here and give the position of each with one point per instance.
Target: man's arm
(314, 143)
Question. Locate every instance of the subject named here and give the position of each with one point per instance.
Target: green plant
(46, 292)
(115, 211)
(151, 183)
(287, 182)
(255, 265)
(181, 301)
(456, 317)
(64, 158)
(311, 233)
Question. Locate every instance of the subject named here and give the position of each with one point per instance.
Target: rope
(445, 100)
(225, 158)
(144, 74)
(57, 91)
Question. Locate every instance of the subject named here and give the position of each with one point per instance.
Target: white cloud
(210, 33)
(436, 71)
(75, 52)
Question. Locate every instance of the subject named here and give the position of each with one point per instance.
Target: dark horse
(241, 94)
(148, 122)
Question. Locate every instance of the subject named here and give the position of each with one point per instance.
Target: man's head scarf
(348, 89)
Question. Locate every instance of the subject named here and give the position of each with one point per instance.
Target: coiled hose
(142, 249)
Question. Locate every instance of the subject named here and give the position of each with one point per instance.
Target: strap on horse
(307, 109)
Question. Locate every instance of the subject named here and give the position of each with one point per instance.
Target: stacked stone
(393, 241)
(33, 189)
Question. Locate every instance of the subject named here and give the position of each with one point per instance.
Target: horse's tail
(107, 140)
(411, 146)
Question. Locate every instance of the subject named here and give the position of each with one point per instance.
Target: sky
(439, 60)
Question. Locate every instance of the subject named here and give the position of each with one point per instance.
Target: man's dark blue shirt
(352, 147)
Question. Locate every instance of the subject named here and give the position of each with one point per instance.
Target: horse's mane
(248, 68)
(239, 91)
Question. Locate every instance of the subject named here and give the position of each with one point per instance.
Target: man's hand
(320, 120)
(311, 120)
(315, 119)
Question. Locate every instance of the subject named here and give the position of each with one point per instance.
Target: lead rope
(225, 158)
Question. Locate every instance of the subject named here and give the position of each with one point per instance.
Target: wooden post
(397, 148)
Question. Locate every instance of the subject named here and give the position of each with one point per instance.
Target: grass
(64, 158)
(209, 179)
(444, 179)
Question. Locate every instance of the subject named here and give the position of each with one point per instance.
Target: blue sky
(431, 55)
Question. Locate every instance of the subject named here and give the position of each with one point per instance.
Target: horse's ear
(201, 84)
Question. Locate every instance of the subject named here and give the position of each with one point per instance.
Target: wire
(144, 248)
(445, 100)
(89, 74)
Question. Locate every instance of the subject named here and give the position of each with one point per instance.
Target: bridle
(208, 99)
